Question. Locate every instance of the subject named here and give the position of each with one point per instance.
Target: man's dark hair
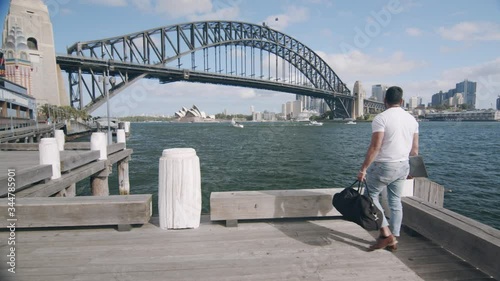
(394, 95)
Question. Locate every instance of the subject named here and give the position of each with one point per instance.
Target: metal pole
(106, 80)
(11, 121)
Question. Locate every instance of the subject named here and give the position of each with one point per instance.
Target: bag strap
(360, 187)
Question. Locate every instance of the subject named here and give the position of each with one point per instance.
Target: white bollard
(127, 128)
(99, 141)
(60, 138)
(179, 196)
(49, 155)
(120, 137)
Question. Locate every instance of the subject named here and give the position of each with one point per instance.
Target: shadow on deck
(287, 249)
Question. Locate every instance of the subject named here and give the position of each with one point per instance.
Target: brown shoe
(383, 242)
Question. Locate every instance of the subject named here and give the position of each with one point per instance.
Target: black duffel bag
(358, 208)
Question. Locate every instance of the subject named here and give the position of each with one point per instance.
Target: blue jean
(390, 175)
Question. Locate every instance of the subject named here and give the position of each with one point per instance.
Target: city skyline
(378, 42)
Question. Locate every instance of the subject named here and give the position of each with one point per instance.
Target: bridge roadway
(168, 74)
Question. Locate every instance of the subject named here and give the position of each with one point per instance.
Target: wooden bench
(120, 210)
(473, 241)
(270, 204)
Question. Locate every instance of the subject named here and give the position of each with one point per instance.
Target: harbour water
(462, 156)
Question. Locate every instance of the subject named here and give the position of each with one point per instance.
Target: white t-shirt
(398, 127)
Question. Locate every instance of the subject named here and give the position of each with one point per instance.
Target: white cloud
(112, 3)
(467, 31)
(293, 14)
(229, 13)
(357, 65)
(413, 31)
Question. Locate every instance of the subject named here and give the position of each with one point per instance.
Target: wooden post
(99, 181)
(60, 138)
(49, 155)
(179, 196)
(123, 180)
(69, 191)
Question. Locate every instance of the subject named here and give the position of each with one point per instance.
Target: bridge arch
(157, 53)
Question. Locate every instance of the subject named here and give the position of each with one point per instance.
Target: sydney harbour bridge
(217, 52)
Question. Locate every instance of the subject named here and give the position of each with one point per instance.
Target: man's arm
(414, 146)
(373, 150)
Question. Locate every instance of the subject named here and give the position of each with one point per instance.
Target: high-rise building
(498, 103)
(378, 92)
(414, 102)
(30, 58)
(468, 89)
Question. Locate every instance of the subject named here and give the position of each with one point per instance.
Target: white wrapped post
(99, 141)
(127, 128)
(49, 155)
(179, 193)
(60, 138)
(120, 137)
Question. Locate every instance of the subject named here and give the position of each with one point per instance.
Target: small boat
(315, 123)
(351, 123)
(236, 124)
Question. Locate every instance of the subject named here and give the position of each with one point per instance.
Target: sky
(424, 46)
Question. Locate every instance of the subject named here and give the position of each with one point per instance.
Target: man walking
(394, 139)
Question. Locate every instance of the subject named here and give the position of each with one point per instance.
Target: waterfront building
(378, 92)
(292, 109)
(15, 103)
(489, 115)
(468, 89)
(30, 60)
(498, 103)
(192, 115)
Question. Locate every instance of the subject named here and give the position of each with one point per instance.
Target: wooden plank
(272, 204)
(429, 191)
(255, 251)
(475, 242)
(19, 146)
(73, 159)
(79, 211)
(113, 148)
(25, 177)
(77, 146)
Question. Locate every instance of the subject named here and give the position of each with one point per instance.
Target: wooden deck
(298, 249)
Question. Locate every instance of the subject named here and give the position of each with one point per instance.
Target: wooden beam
(77, 146)
(26, 177)
(267, 204)
(473, 241)
(54, 186)
(75, 159)
(19, 146)
(112, 148)
(79, 211)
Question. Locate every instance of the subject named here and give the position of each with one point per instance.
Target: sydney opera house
(193, 115)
